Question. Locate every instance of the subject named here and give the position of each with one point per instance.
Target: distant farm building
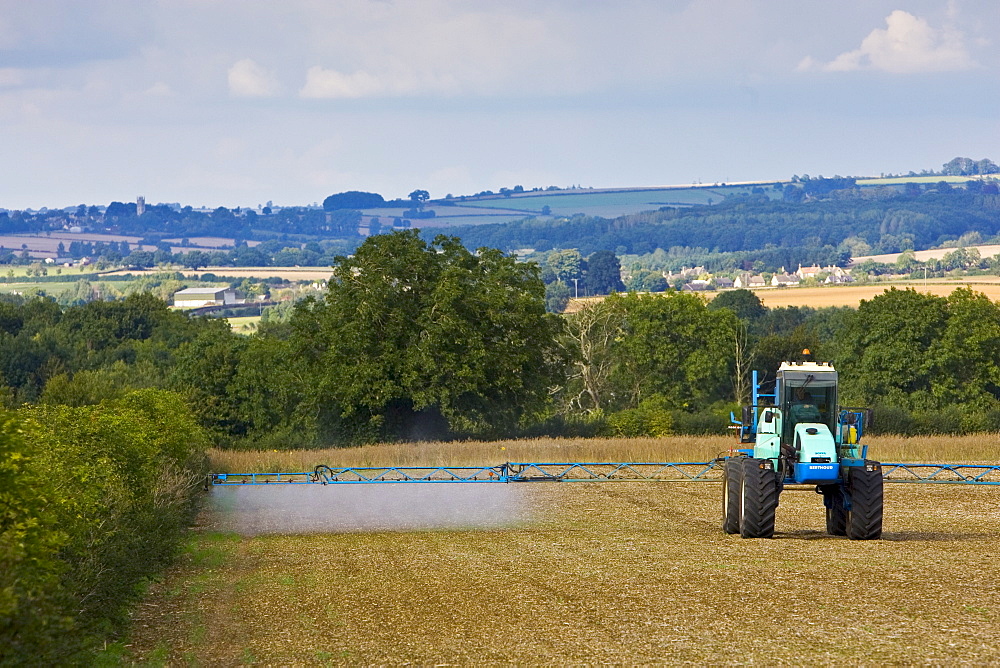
(195, 297)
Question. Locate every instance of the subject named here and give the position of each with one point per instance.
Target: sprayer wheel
(836, 514)
(759, 495)
(731, 478)
(864, 519)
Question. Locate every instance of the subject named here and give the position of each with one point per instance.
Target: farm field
(575, 573)
(851, 295)
(924, 255)
(288, 273)
(244, 324)
(902, 180)
(49, 288)
(845, 295)
(606, 201)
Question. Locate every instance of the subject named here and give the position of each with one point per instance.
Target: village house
(749, 281)
(785, 280)
(696, 285)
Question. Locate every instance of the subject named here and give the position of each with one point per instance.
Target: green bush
(701, 423)
(945, 421)
(651, 418)
(32, 602)
(891, 420)
(97, 500)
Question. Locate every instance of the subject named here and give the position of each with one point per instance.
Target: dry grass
(952, 449)
(604, 573)
(477, 453)
(971, 449)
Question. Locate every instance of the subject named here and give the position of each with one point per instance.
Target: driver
(803, 409)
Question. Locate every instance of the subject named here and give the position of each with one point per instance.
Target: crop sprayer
(794, 435)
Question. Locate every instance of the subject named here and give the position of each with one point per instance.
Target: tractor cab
(807, 393)
(796, 422)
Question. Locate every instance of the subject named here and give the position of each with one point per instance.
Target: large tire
(836, 514)
(864, 519)
(759, 499)
(731, 479)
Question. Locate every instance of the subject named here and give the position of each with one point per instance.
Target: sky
(241, 102)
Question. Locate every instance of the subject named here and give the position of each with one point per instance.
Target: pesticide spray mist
(291, 509)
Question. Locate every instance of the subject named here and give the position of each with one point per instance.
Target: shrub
(651, 418)
(700, 423)
(96, 501)
(891, 420)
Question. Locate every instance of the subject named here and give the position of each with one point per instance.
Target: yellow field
(845, 295)
(624, 573)
(851, 295)
(925, 255)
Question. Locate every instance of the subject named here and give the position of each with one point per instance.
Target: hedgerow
(93, 502)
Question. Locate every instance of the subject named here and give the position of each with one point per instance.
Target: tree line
(417, 339)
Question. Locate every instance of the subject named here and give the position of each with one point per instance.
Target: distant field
(454, 221)
(52, 289)
(609, 203)
(210, 242)
(924, 255)
(287, 273)
(845, 295)
(900, 180)
(852, 295)
(244, 324)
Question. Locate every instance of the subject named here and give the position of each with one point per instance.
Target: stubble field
(577, 573)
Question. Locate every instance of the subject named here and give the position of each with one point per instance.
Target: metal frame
(710, 471)
(961, 474)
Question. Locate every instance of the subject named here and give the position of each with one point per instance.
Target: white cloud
(159, 89)
(908, 44)
(324, 83)
(10, 76)
(248, 79)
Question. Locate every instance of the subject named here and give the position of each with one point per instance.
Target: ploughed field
(578, 572)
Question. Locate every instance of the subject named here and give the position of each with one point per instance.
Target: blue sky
(237, 102)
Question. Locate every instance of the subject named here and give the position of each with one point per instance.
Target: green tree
(414, 340)
(744, 303)
(672, 345)
(353, 199)
(885, 350)
(967, 353)
(418, 197)
(604, 273)
(557, 296)
(565, 264)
